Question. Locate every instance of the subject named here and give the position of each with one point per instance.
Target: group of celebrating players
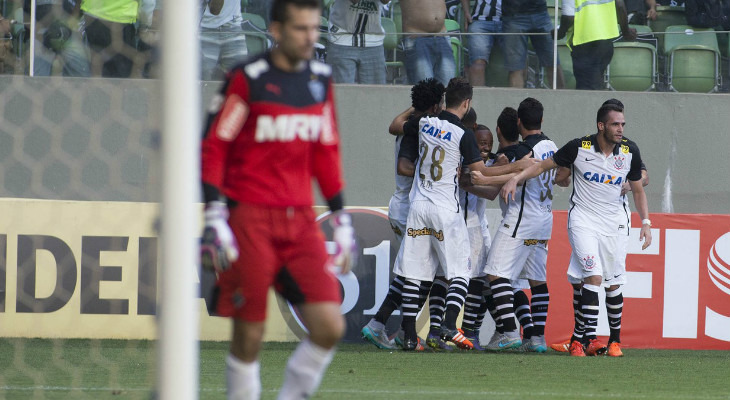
(260, 230)
(446, 171)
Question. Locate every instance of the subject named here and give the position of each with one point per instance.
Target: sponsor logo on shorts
(439, 235)
(589, 262)
(396, 230)
(506, 225)
(532, 242)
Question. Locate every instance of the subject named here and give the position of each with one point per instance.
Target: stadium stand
(666, 17)
(693, 59)
(392, 40)
(633, 67)
(567, 62)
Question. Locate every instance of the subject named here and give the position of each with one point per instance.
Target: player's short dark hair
(426, 94)
(507, 123)
(481, 127)
(602, 115)
(458, 90)
(470, 118)
(530, 113)
(279, 8)
(616, 102)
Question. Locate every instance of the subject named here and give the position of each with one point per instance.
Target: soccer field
(119, 369)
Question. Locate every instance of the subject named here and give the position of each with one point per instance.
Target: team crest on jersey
(589, 262)
(618, 162)
(586, 144)
(625, 149)
(316, 88)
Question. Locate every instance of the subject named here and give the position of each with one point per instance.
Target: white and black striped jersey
(443, 143)
(529, 215)
(487, 10)
(356, 24)
(597, 181)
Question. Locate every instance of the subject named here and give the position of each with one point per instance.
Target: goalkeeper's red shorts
(282, 247)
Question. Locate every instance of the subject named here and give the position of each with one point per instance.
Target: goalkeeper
(272, 130)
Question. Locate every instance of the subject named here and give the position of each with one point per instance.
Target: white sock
(304, 371)
(242, 379)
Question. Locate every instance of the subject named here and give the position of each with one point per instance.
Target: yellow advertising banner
(71, 269)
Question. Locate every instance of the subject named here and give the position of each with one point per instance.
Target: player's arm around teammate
(637, 188)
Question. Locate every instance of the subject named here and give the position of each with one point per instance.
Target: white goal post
(177, 362)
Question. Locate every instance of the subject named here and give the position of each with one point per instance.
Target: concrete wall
(107, 149)
(683, 137)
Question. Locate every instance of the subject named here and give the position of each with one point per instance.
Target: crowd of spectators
(117, 38)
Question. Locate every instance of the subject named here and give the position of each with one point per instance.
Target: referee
(599, 163)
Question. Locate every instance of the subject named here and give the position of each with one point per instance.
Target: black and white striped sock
(577, 316)
(455, 301)
(522, 311)
(589, 308)
(392, 300)
(473, 306)
(503, 302)
(437, 304)
(539, 306)
(492, 308)
(423, 293)
(410, 307)
(614, 309)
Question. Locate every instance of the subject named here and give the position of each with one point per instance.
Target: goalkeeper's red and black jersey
(270, 132)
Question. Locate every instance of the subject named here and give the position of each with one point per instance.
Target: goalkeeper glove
(343, 234)
(218, 247)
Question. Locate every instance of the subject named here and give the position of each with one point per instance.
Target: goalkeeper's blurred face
(297, 35)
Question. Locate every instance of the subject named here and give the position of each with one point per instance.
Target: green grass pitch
(118, 369)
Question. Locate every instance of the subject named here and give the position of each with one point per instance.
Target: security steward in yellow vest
(111, 32)
(594, 27)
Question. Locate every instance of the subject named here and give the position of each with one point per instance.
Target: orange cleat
(614, 350)
(457, 338)
(576, 349)
(561, 347)
(595, 348)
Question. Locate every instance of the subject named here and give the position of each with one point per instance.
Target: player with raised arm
(436, 231)
(613, 285)
(259, 205)
(600, 164)
(426, 99)
(519, 249)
